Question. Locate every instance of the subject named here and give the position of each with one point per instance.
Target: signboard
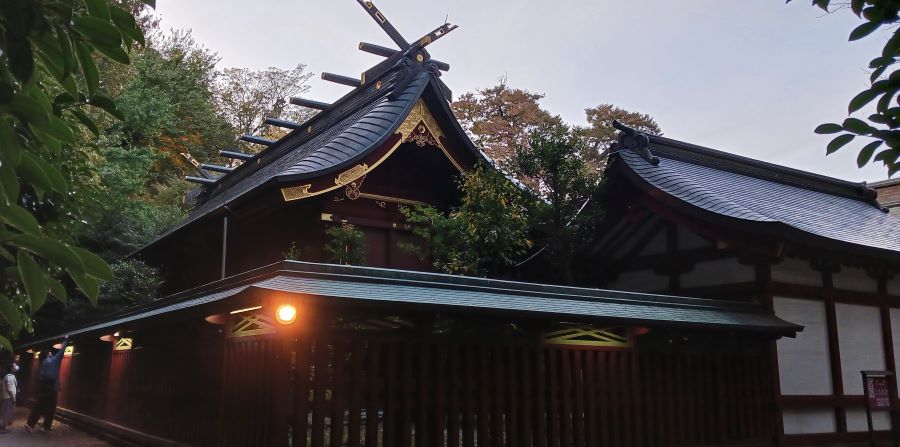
(878, 391)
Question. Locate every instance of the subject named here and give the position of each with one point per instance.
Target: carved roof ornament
(637, 142)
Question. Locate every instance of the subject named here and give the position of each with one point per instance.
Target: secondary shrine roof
(786, 201)
(330, 283)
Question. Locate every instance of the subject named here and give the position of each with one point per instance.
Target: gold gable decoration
(123, 344)
(590, 336)
(252, 324)
(419, 127)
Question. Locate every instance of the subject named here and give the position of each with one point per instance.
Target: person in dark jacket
(48, 387)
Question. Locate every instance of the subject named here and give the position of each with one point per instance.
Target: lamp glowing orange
(286, 314)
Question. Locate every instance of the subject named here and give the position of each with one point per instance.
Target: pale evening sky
(752, 77)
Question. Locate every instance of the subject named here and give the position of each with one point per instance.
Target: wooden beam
(340, 79)
(200, 180)
(216, 168)
(236, 155)
(379, 50)
(297, 101)
(282, 123)
(257, 140)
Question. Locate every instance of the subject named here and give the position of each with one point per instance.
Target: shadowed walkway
(61, 435)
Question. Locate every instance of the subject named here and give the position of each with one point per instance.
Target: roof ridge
(743, 165)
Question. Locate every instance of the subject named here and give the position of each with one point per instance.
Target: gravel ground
(61, 435)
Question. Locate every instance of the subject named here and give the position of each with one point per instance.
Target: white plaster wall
(639, 281)
(688, 240)
(856, 420)
(859, 338)
(852, 278)
(719, 271)
(893, 284)
(657, 245)
(895, 332)
(796, 271)
(803, 362)
(806, 420)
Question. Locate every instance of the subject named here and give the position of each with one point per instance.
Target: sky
(751, 77)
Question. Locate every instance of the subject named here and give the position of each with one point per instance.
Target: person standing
(48, 387)
(8, 388)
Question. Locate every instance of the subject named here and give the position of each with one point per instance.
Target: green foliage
(134, 282)
(485, 234)
(48, 77)
(293, 252)
(883, 126)
(345, 244)
(564, 221)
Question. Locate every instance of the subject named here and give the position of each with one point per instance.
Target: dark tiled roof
(356, 124)
(375, 285)
(756, 191)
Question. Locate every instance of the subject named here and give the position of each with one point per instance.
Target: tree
(48, 75)
(600, 133)
(566, 217)
(486, 234)
(500, 118)
(883, 126)
(345, 244)
(246, 97)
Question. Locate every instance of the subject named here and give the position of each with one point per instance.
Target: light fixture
(286, 314)
(116, 334)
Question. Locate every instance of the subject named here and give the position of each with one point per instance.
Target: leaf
(11, 314)
(58, 129)
(857, 6)
(86, 121)
(88, 285)
(49, 249)
(97, 8)
(98, 31)
(68, 55)
(859, 101)
(115, 53)
(892, 46)
(828, 128)
(822, 4)
(865, 154)
(93, 264)
(885, 101)
(88, 68)
(57, 289)
(9, 184)
(10, 149)
(124, 20)
(106, 103)
(863, 30)
(26, 109)
(857, 126)
(839, 142)
(877, 73)
(19, 218)
(33, 279)
(31, 171)
(20, 56)
(5, 344)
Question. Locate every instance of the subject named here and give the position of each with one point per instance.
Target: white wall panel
(852, 278)
(859, 337)
(719, 271)
(895, 332)
(803, 362)
(796, 271)
(639, 281)
(856, 420)
(808, 420)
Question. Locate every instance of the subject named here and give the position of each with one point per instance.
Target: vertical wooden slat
(441, 366)
(512, 411)
(484, 394)
(391, 418)
(499, 403)
(590, 381)
(356, 393)
(540, 411)
(627, 403)
(320, 380)
(338, 391)
(455, 389)
(426, 402)
(603, 398)
(469, 398)
(579, 390)
(567, 407)
(637, 399)
(374, 387)
(408, 394)
(527, 388)
(553, 397)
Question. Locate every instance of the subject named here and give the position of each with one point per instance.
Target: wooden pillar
(767, 299)
(890, 363)
(834, 350)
